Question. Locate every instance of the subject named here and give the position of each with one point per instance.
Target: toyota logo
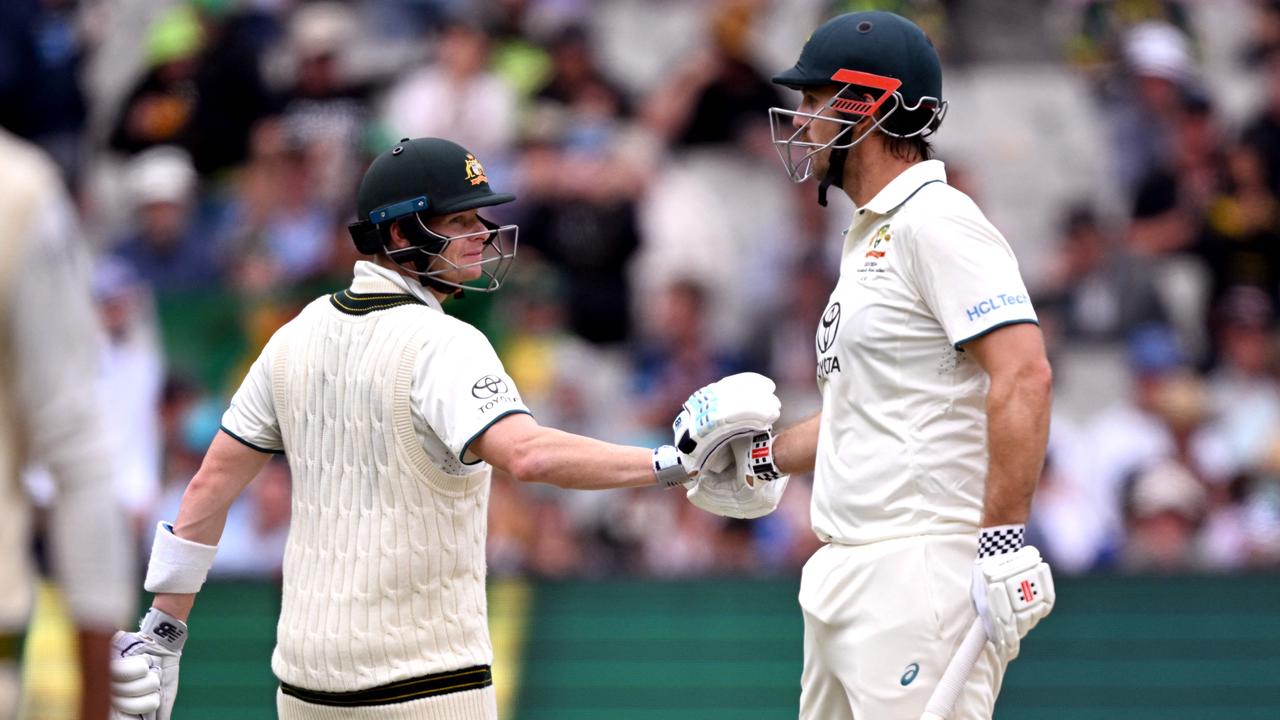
(488, 386)
(828, 328)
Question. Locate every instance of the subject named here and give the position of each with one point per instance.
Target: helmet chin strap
(834, 175)
(432, 284)
(423, 264)
(420, 238)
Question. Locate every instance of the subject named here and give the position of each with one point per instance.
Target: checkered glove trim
(760, 458)
(1000, 539)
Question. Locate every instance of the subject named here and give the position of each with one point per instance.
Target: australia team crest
(475, 171)
(880, 242)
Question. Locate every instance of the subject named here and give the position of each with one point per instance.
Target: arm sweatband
(177, 565)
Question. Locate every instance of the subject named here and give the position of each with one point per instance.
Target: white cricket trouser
(478, 704)
(881, 622)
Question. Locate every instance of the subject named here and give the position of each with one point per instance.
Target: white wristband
(164, 628)
(177, 565)
(667, 468)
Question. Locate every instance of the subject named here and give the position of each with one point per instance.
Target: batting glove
(736, 406)
(144, 668)
(1012, 587)
(750, 488)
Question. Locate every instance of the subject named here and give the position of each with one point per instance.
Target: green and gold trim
(444, 683)
(365, 303)
(11, 646)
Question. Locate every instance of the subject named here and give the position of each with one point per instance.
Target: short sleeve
(461, 389)
(251, 418)
(968, 277)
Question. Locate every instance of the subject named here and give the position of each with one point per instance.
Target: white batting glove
(144, 668)
(1012, 588)
(729, 408)
(750, 488)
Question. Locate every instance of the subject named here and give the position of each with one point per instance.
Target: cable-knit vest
(384, 568)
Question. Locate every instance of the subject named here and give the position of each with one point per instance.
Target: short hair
(914, 148)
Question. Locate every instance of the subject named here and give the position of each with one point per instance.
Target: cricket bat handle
(953, 679)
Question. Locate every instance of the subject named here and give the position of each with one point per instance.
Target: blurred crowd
(214, 147)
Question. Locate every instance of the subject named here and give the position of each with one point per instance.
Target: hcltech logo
(912, 671)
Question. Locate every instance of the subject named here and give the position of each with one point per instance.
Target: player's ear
(396, 237)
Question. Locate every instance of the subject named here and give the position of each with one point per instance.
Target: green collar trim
(365, 303)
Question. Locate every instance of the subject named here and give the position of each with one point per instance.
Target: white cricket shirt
(902, 446)
(459, 386)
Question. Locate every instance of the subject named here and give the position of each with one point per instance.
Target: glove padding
(1012, 593)
(735, 492)
(144, 668)
(713, 416)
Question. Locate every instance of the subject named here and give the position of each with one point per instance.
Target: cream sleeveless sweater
(384, 569)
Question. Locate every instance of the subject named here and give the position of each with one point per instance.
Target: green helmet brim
(479, 200)
(798, 78)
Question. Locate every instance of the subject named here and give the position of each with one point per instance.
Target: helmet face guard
(861, 95)
(425, 259)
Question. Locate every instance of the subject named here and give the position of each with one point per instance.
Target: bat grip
(953, 679)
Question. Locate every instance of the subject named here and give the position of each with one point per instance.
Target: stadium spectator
(1241, 241)
(679, 356)
(1142, 112)
(581, 190)
(42, 50)
(456, 96)
(1263, 132)
(1243, 388)
(160, 107)
(1165, 505)
(324, 105)
(132, 381)
(276, 225)
(166, 248)
(1097, 291)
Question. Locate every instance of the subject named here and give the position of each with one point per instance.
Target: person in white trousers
(50, 354)
(935, 396)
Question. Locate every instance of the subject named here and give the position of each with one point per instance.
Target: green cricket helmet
(420, 179)
(884, 66)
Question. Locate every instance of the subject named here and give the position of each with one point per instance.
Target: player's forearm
(572, 461)
(1017, 432)
(228, 467)
(795, 450)
(201, 518)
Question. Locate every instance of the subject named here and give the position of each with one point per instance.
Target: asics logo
(912, 671)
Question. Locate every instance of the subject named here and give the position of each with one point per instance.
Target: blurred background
(1128, 149)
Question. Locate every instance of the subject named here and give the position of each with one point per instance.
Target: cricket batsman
(391, 414)
(935, 398)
